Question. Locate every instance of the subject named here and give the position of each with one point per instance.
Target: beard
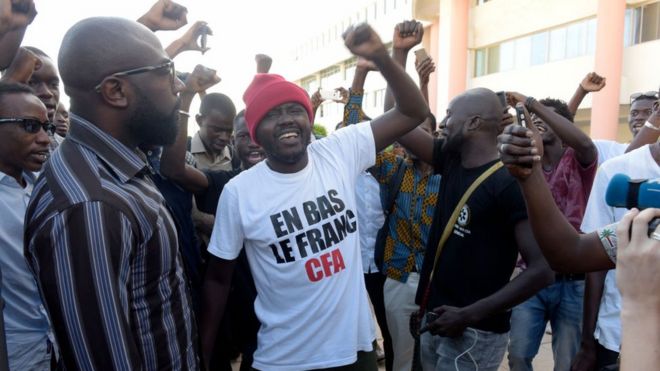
(152, 127)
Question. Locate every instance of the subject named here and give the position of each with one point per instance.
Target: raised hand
(263, 63)
(424, 69)
(21, 68)
(165, 15)
(316, 99)
(343, 94)
(593, 82)
(364, 42)
(407, 34)
(201, 79)
(520, 148)
(15, 14)
(189, 40)
(512, 98)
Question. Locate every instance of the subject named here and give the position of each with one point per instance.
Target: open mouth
(255, 156)
(40, 156)
(288, 136)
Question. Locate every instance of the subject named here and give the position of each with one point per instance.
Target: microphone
(639, 193)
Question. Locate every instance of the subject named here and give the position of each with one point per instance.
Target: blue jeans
(559, 303)
(474, 350)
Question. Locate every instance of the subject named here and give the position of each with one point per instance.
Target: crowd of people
(128, 245)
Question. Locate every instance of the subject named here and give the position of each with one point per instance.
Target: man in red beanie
(295, 215)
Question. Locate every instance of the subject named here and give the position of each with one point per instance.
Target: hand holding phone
(421, 55)
(429, 318)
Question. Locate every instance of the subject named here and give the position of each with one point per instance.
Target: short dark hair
(7, 88)
(217, 102)
(240, 115)
(37, 51)
(560, 106)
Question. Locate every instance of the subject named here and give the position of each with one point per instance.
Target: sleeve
(207, 200)
(353, 109)
(598, 213)
(512, 202)
(353, 147)
(609, 240)
(227, 238)
(386, 166)
(81, 258)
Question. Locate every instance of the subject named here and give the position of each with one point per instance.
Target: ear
(113, 92)
(473, 123)
(198, 118)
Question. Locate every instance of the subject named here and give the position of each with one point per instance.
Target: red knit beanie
(267, 91)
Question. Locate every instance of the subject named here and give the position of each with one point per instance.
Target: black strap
(394, 186)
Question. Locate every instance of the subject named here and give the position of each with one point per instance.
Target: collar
(29, 177)
(125, 162)
(197, 146)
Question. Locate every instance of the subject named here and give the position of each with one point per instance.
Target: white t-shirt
(370, 218)
(636, 164)
(608, 149)
(301, 240)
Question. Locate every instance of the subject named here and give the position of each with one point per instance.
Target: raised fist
(407, 34)
(21, 68)
(592, 82)
(15, 14)
(201, 79)
(165, 15)
(364, 42)
(263, 63)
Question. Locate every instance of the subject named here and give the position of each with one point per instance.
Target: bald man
(99, 238)
(468, 300)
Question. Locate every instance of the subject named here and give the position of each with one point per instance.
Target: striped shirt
(103, 247)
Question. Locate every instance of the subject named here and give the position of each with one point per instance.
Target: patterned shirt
(103, 247)
(353, 109)
(412, 215)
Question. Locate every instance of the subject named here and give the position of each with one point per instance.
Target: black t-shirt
(480, 254)
(207, 201)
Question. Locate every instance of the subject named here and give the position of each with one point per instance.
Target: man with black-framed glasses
(23, 151)
(99, 236)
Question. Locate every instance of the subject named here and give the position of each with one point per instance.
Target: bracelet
(649, 125)
(182, 112)
(528, 103)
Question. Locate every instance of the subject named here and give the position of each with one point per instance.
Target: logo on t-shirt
(321, 223)
(462, 222)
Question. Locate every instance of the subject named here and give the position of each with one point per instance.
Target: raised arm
(424, 69)
(188, 41)
(565, 250)
(15, 16)
(410, 109)
(591, 83)
(173, 160)
(585, 150)
(353, 112)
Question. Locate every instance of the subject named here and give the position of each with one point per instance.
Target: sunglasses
(32, 126)
(135, 71)
(648, 94)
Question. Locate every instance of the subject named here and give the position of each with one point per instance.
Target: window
(539, 48)
(591, 36)
(557, 44)
(523, 47)
(650, 20)
(507, 54)
(493, 59)
(480, 62)
(576, 40)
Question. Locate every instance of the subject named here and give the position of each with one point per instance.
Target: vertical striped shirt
(103, 248)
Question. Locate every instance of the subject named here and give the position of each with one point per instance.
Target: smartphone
(520, 116)
(203, 39)
(430, 317)
(421, 55)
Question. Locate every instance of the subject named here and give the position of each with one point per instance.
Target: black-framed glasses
(649, 94)
(32, 126)
(169, 64)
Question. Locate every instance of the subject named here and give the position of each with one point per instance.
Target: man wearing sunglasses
(99, 236)
(23, 151)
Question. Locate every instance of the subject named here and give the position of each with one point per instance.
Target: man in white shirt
(295, 215)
